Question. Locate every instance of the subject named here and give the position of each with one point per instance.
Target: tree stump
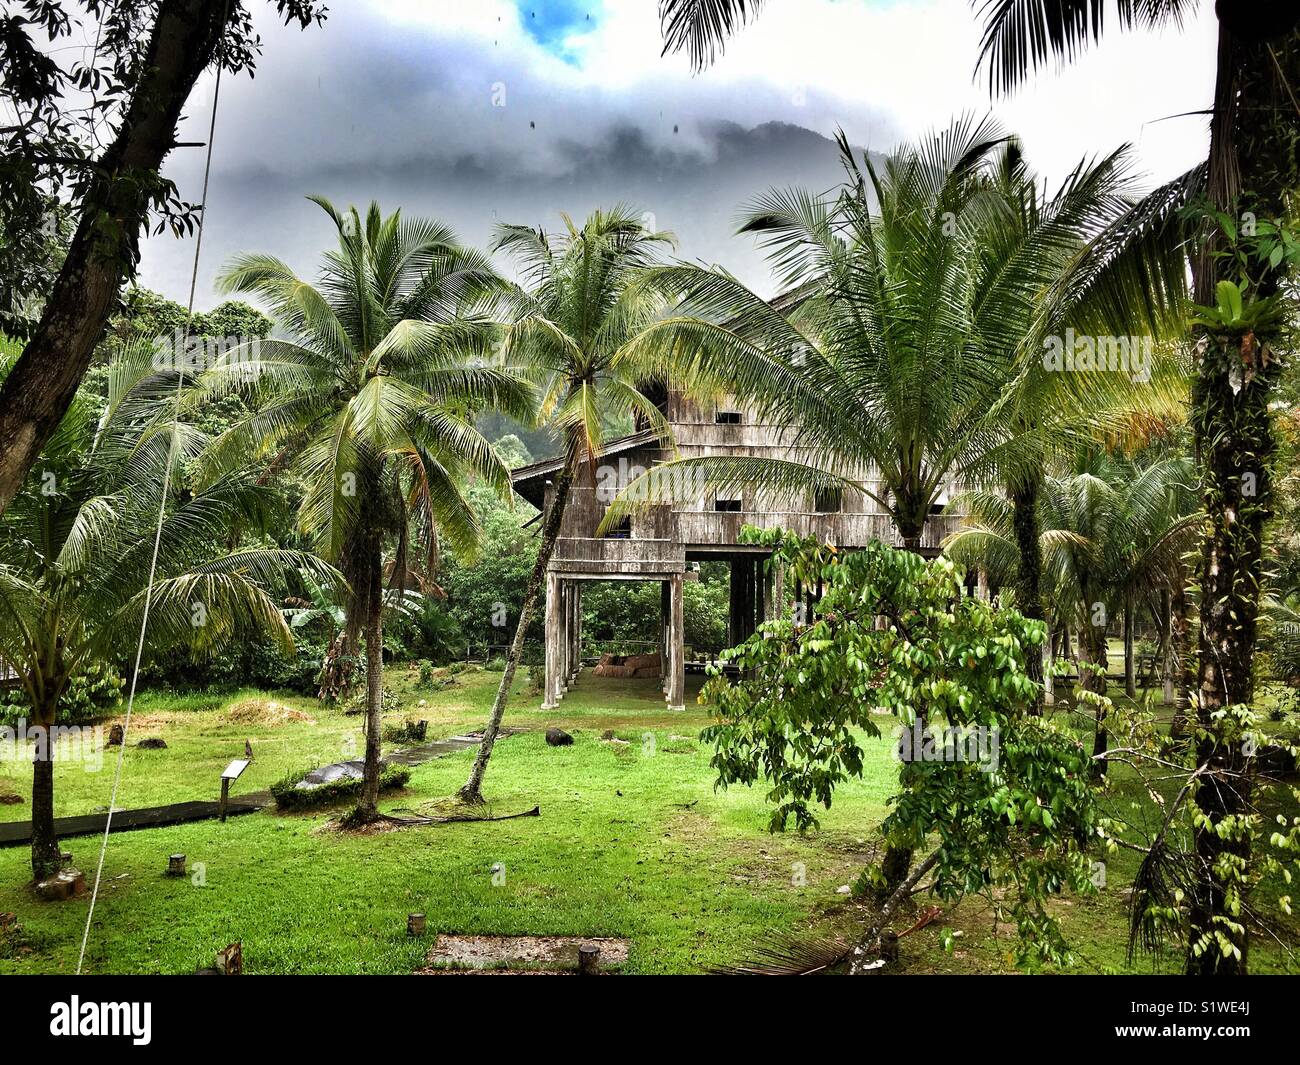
(889, 946)
(589, 959)
(415, 924)
(176, 865)
(63, 885)
(115, 736)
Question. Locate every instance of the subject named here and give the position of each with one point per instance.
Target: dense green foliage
(896, 638)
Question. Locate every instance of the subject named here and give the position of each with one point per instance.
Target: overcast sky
(479, 111)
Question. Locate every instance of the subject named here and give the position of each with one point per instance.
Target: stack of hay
(628, 666)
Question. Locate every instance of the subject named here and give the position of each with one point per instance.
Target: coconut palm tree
(1110, 531)
(1249, 179)
(367, 395)
(75, 552)
(577, 308)
(914, 354)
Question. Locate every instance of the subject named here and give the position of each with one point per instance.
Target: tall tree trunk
(368, 808)
(45, 844)
(1253, 170)
(1184, 663)
(105, 247)
(472, 792)
(1130, 675)
(1029, 569)
(896, 863)
(1094, 662)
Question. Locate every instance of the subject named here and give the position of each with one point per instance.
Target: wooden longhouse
(660, 543)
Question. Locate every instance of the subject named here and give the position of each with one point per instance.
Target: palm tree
(75, 551)
(1250, 176)
(570, 320)
(367, 395)
(1109, 531)
(914, 354)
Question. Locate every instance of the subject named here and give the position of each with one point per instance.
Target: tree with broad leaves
(1000, 798)
(91, 135)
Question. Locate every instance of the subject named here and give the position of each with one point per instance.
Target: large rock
(153, 743)
(327, 774)
(557, 737)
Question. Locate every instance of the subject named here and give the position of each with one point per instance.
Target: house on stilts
(660, 543)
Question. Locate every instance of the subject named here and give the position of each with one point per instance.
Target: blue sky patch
(549, 22)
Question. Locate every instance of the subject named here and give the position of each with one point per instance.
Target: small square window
(829, 501)
(621, 531)
(728, 506)
(727, 417)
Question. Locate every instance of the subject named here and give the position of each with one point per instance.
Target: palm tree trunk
(1130, 678)
(1252, 170)
(45, 844)
(472, 792)
(1184, 666)
(1029, 569)
(368, 808)
(1093, 664)
(896, 863)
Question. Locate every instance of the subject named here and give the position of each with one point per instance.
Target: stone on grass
(557, 737)
(11, 800)
(153, 743)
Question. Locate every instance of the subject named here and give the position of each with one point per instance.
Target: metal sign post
(231, 772)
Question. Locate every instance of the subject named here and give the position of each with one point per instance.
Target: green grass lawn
(633, 841)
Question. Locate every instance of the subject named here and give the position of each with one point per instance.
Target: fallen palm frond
(451, 811)
(792, 955)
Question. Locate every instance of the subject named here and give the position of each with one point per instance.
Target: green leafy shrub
(288, 796)
(1015, 817)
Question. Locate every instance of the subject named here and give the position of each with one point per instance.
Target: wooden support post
(771, 577)
(225, 798)
(736, 603)
(176, 865)
(577, 629)
(982, 584)
(665, 629)
(551, 694)
(588, 959)
(676, 647)
(415, 925)
(566, 623)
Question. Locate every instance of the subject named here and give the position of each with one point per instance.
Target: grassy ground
(633, 841)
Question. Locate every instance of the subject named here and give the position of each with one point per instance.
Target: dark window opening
(656, 391)
(937, 508)
(728, 506)
(829, 501)
(620, 531)
(727, 417)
